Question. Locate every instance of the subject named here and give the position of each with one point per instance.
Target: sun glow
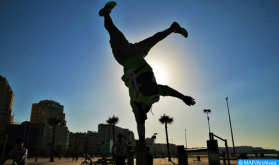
(160, 73)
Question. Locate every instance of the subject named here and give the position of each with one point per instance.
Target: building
(6, 106)
(129, 136)
(40, 114)
(32, 134)
(106, 131)
(94, 142)
(161, 148)
(98, 142)
(78, 142)
(106, 134)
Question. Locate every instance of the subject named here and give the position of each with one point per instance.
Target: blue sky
(60, 50)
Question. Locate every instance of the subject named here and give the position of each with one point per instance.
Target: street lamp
(230, 125)
(207, 111)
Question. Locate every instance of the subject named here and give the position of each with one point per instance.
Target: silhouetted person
(73, 155)
(18, 154)
(149, 157)
(60, 156)
(76, 156)
(138, 74)
(119, 149)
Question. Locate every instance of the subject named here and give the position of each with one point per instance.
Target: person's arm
(5, 159)
(22, 158)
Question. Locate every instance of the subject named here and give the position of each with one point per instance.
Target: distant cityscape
(38, 135)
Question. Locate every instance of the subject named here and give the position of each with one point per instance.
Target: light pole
(185, 139)
(207, 111)
(230, 125)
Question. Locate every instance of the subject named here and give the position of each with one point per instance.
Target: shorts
(122, 49)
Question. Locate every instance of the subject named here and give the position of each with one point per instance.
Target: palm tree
(166, 120)
(113, 121)
(54, 122)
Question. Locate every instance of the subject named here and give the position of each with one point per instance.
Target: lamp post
(230, 125)
(207, 111)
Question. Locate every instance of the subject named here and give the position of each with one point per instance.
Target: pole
(208, 122)
(230, 125)
(185, 139)
(228, 156)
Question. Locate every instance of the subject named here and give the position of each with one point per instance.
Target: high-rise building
(40, 114)
(6, 105)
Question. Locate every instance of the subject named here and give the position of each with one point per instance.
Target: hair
(19, 140)
(120, 135)
(147, 148)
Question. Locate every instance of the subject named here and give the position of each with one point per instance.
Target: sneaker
(177, 29)
(108, 7)
(189, 100)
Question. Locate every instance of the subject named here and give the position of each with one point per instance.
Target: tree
(166, 120)
(113, 121)
(54, 122)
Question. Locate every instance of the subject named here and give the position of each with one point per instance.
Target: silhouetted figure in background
(73, 155)
(149, 157)
(119, 149)
(76, 156)
(138, 74)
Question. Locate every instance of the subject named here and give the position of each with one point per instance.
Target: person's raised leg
(148, 43)
(165, 90)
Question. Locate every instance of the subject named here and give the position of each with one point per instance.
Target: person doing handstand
(138, 74)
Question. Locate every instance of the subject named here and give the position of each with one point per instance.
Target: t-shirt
(149, 159)
(120, 148)
(17, 155)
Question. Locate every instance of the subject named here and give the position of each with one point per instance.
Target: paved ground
(64, 161)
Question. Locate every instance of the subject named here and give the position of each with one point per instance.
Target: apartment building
(40, 114)
(6, 105)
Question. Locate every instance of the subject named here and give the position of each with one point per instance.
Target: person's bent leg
(165, 90)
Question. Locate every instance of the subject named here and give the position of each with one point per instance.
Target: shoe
(108, 7)
(177, 29)
(189, 100)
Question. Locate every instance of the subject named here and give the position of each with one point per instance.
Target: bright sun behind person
(160, 73)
